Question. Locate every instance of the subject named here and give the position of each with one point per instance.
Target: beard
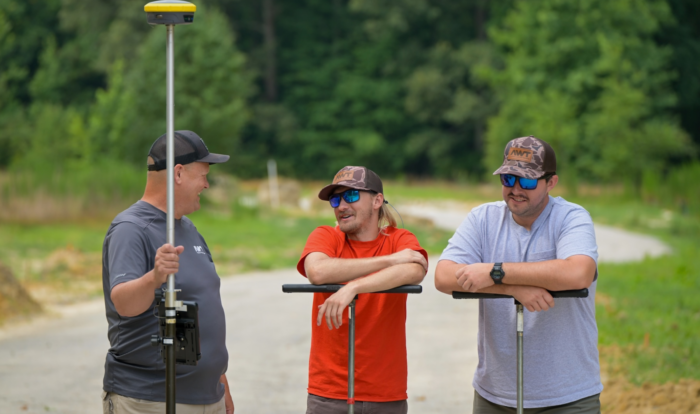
(528, 209)
(355, 225)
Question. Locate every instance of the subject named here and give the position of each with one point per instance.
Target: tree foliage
(430, 88)
(589, 78)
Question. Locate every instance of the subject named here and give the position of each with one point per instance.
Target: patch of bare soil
(14, 299)
(622, 397)
(67, 275)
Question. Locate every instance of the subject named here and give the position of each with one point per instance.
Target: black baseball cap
(189, 148)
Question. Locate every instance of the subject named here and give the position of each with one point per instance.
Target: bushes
(677, 190)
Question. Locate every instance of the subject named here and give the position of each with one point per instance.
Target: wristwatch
(497, 273)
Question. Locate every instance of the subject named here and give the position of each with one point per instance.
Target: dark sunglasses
(508, 180)
(350, 196)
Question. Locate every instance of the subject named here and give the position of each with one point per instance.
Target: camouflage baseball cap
(360, 178)
(528, 157)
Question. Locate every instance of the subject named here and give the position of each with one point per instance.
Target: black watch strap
(497, 273)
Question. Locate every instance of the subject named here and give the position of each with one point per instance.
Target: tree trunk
(270, 45)
(480, 20)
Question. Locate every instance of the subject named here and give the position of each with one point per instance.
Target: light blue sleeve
(577, 236)
(465, 246)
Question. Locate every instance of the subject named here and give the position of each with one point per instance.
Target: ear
(178, 171)
(552, 183)
(378, 201)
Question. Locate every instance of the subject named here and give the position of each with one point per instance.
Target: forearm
(335, 270)
(228, 400)
(391, 277)
(134, 297)
(552, 275)
(445, 280)
(447, 284)
(224, 381)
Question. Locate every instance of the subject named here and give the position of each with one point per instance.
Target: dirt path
(55, 364)
(614, 245)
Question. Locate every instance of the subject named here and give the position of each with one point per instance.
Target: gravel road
(55, 363)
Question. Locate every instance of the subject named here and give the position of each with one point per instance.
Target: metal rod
(519, 328)
(170, 157)
(351, 358)
(170, 294)
(170, 379)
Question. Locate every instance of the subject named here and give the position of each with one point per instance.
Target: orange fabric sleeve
(408, 240)
(323, 240)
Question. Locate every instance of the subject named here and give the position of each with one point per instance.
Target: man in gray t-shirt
(136, 260)
(524, 246)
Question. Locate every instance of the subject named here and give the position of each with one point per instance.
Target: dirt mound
(67, 275)
(622, 397)
(14, 299)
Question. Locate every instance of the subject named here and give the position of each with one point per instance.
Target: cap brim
(214, 158)
(519, 171)
(326, 191)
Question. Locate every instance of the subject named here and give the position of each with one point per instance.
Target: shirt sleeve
(408, 240)
(128, 254)
(465, 246)
(577, 236)
(322, 240)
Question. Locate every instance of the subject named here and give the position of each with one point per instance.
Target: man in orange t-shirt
(367, 256)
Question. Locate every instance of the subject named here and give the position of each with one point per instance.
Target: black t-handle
(308, 288)
(580, 293)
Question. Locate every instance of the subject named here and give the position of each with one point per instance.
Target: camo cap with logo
(360, 178)
(528, 157)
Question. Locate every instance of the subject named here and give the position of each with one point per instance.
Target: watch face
(497, 273)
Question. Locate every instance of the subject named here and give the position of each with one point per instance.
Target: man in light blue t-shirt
(524, 246)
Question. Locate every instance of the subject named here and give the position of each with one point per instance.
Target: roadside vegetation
(59, 260)
(647, 312)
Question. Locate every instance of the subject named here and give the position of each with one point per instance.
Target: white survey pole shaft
(273, 183)
(170, 157)
(170, 292)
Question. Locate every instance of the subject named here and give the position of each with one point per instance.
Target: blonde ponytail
(386, 218)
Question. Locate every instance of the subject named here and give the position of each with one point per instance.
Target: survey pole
(519, 327)
(170, 13)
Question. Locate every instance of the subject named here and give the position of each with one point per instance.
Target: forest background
(414, 88)
(422, 91)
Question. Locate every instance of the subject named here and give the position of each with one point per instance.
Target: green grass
(67, 256)
(653, 312)
(651, 309)
(31, 240)
(437, 190)
(251, 239)
(267, 241)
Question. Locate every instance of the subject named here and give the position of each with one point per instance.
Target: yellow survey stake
(169, 6)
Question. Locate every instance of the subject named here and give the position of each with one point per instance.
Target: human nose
(342, 204)
(517, 187)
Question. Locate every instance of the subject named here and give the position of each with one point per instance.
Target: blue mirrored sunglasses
(508, 180)
(350, 196)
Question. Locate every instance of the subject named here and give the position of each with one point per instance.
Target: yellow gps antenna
(170, 13)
